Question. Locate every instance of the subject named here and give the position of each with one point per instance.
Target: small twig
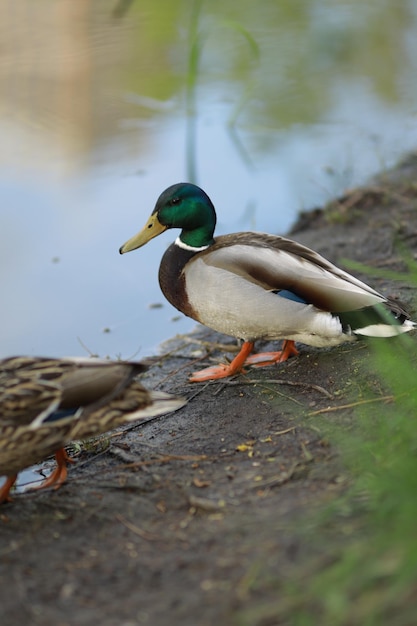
(135, 529)
(206, 504)
(188, 364)
(86, 348)
(279, 381)
(220, 386)
(342, 407)
(283, 395)
(122, 430)
(197, 393)
(122, 455)
(282, 478)
(284, 432)
(166, 459)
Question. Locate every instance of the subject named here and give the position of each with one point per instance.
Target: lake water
(271, 107)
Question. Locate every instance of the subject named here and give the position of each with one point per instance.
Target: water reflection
(292, 102)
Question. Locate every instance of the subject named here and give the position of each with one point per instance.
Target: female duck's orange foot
(57, 478)
(269, 358)
(5, 489)
(222, 371)
(59, 475)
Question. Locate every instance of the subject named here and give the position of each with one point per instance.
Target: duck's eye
(175, 200)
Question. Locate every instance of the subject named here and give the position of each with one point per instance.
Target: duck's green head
(184, 206)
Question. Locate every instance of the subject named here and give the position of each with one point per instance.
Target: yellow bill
(152, 228)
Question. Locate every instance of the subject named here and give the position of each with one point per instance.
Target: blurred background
(272, 107)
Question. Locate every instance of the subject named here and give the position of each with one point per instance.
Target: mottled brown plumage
(45, 403)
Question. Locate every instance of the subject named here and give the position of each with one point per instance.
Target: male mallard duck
(258, 286)
(45, 403)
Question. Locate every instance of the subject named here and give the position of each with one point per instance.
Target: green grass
(373, 579)
(362, 569)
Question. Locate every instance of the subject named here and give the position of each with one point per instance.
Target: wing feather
(276, 263)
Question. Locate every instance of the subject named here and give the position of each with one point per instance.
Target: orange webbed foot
(214, 373)
(263, 359)
(223, 371)
(60, 473)
(5, 488)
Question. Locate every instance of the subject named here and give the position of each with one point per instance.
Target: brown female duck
(45, 403)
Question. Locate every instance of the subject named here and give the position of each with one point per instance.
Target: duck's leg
(5, 488)
(221, 371)
(268, 358)
(59, 475)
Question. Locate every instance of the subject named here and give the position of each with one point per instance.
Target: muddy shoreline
(197, 517)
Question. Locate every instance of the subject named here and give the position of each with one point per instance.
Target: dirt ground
(198, 518)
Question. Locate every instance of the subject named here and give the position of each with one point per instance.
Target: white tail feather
(385, 330)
